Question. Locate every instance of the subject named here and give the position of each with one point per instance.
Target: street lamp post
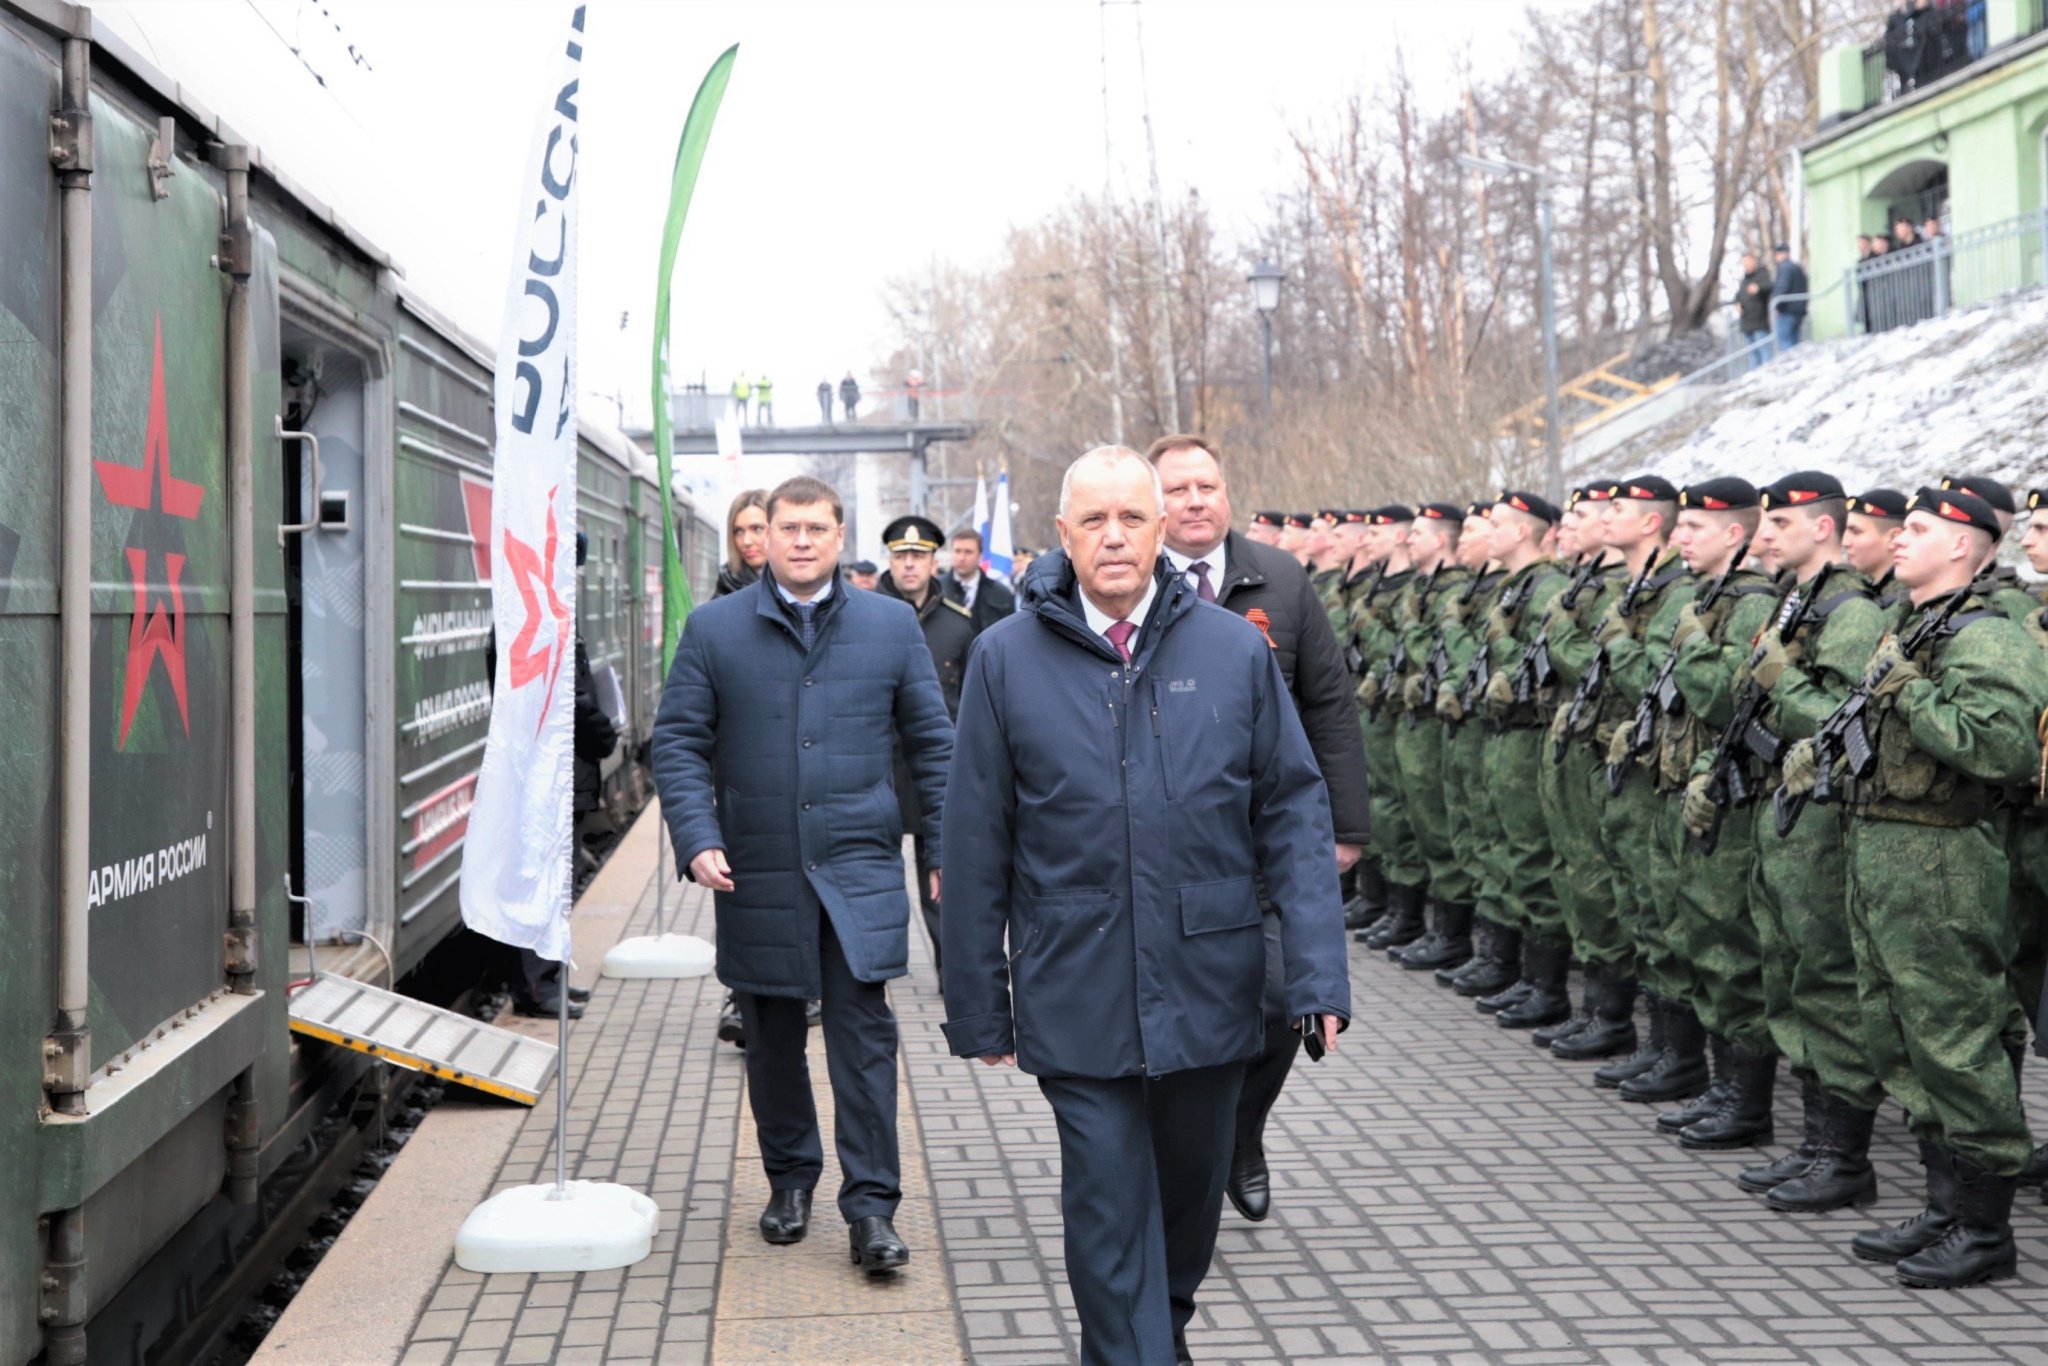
(1553, 436)
(1265, 281)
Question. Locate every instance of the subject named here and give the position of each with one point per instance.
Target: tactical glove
(1449, 705)
(1690, 624)
(1369, 690)
(1698, 809)
(1801, 768)
(1500, 694)
(1414, 694)
(1898, 670)
(1613, 626)
(1617, 748)
(1769, 662)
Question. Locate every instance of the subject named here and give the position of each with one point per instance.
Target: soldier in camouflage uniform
(1496, 961)
(1707, 920)
(1528, 862)
(1575, 790)
(1949, 703)
(2028, 850)
(1997, 583)
(1366, 892)
(1633, 638)
(1803, 667)
(1375, 634)
(1419, 736)
(1875, 517)
(1326, 554)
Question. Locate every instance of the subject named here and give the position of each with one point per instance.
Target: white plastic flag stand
(660, 954)
(517, 870)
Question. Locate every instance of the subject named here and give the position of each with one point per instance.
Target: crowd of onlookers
(1770, 305)
(1898, 293)
(1925, 40)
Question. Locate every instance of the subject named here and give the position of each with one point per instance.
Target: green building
(1950, 123)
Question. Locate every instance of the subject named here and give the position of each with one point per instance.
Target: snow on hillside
(1965, 393)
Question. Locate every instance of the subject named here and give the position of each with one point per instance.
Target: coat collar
(1053, 593)
(1238, 569)
(769, 603)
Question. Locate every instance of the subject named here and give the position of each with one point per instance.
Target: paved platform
(1444, 1192)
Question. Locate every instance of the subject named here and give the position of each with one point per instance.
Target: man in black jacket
(913, 544)
(986, 600)
(1789, 289)
(1752, 305)
(1267, 587)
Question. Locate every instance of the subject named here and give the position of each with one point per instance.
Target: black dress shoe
(876, 1248)
(578, 995)
(787, 1218)
(1250, 1186)
(814, 1013)
(546, 1007)
(731, 1028)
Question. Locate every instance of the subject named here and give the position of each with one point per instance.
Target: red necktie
(1120, 636)
(1202, 588)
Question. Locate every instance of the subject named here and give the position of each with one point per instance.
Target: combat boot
(1402, 924)
(1574, 1024)
(1978, 1244)
(1840, 1175)
(1743, 1117)
(1646, 1053)
(1447, 946)
(1484, 933)
(1501, 970)
(1924, 1229)
(1610, 1019)
(2035, 1173)
(1769, 1176)
(1707, 1101)
(1370, 903)
(1546, 967)
(1681, 1069)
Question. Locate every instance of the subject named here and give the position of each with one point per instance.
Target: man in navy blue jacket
(1128, 770)
(772, 750)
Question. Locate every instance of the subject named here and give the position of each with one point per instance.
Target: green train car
(245, 483)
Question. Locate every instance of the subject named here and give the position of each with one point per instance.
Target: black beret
(1332, 515)
(1298, 520)
(1268, 518)
(1598, 492)
(2036, 498)
(1997, 495)
(910, 532)
(1879, 503)
(1358, 516)
(1479, 509)
(1535, 504)
(1441, 512)
(1954, 505)
(1802, 486)
(1391, 514)
(1648, 488)
(1725, 494)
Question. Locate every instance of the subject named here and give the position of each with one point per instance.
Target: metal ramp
(423, 1038)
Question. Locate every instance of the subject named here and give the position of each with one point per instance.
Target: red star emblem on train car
(155, 632)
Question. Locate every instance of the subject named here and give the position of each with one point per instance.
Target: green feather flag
(675, 588)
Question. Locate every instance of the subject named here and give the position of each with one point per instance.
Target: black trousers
(1266, 1074)
(1142, 1166)
(926, 905)
(860, 1057)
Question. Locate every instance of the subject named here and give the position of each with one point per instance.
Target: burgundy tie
(1120, 636)
(1202, 588)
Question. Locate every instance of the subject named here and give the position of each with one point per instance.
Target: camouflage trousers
(1528, 863)
(1628, 837)
(1929, 917)
(1572, 787)
(1475, 834)
(1798, 894)
(1667, 966)
(2027, 847)
(1710, 928)
(1419, 750)
(1393, 837)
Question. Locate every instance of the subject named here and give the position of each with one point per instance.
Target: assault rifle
(1844, 735)
(1595, 678)
(1354, 658)
(1663, 696)
(1727, 773)
(1533, 671)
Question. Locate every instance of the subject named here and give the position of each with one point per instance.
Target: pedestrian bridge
(841, 438)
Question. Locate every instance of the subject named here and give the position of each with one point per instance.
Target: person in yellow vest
(742, 390)
(764, 402)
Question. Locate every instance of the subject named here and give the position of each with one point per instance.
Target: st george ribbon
(516, 858)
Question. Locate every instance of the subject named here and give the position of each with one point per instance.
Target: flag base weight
(580, 1226)
(660, 955)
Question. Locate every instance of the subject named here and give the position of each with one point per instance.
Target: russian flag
(995, 532)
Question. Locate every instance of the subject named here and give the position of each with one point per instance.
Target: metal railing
(1941, 41)
(1954, 270)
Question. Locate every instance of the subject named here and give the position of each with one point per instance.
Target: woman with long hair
(746, 542)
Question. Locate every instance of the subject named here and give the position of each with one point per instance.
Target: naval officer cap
(1535, 504)
(1726, 494)
(1803, 486)
(912, 532)
(1886, 503)
(1954, 505)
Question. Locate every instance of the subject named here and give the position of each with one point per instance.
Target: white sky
(859, 139)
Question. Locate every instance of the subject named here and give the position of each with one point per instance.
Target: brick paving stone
(1443, 1192)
